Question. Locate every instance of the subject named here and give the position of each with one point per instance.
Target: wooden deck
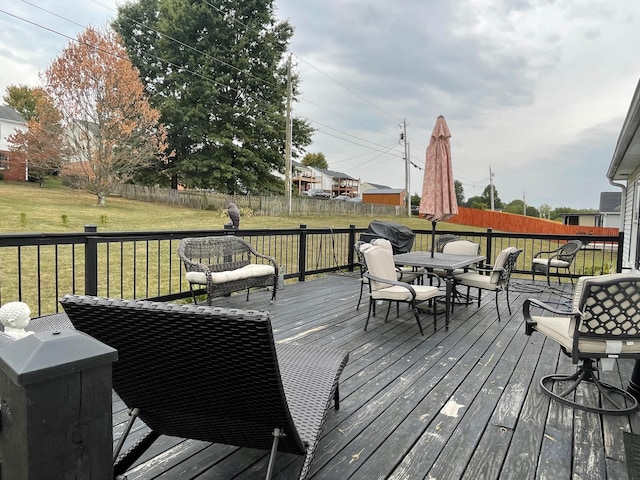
(462, 403)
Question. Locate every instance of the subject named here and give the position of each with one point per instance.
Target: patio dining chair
(384, 285)
(403, 274)
(211, 374)
(603, 324)
(494, 277)
(560, 258)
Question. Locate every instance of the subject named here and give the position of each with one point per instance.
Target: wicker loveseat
(226, 264)
(212, 374)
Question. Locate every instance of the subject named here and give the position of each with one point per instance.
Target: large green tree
(317, 160)
(217, 71)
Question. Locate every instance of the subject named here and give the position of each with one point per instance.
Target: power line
(212, 80)
(181, 68)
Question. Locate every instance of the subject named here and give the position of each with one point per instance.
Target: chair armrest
(191, 266)
(545, 252)
(391, 282)
(532, 302)
(434, 275)
(260, 255)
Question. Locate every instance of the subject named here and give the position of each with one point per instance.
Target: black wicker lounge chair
(212, 374)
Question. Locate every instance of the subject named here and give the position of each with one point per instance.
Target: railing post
(302, 259)
(620, 253)
(489, 245)
(90, 262)
(352, 242)
(55, 407)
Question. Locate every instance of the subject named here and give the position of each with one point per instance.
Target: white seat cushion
(251, 270)
(473, 279)
(401, 294)
(560, 329)
(196, 277)
(554, 262)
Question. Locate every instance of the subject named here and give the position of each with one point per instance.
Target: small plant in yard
(244, 212)
(103, 219)
(600, 269)
(65, 219)
(23, 219)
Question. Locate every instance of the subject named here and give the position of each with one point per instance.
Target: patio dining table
(441, 261)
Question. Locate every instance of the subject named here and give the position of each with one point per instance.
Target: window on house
(4, 162)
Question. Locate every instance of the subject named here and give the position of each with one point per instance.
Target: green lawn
(28, 208)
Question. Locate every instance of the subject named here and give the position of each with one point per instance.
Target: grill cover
(400, 236)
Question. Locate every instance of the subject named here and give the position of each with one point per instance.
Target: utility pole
(403, 138)
(491, 188)
(287, 173)
(524, 203)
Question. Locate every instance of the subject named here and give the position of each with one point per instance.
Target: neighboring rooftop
(8, 113)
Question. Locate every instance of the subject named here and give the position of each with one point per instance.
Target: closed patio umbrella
(438, 201)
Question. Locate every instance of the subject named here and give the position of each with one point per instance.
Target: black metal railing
(40, 268)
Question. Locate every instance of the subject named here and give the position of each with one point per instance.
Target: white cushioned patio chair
(384, 285)
(560, 258)
(494, 277)
(603, 323)
(403, 274)
(458, 247)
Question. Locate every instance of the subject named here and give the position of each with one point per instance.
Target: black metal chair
(444, 239)
(562, 257)
(404, 274)
(212, 374)
(494, 277)
(603, 323)
(383, 282)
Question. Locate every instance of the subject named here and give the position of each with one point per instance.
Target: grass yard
(28, 208)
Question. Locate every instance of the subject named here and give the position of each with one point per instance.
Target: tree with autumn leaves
(109, 129)
(41, 145)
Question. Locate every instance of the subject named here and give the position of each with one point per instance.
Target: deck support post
(56, 407)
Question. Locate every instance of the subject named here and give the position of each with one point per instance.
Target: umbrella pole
(433, 237)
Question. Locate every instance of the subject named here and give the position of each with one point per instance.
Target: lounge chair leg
(336, 397)
(498, 307)
(133, 414)
(386, 317)
(127, 459)
(277, 433)
(360, 297)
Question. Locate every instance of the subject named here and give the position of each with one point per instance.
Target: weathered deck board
(458, 403)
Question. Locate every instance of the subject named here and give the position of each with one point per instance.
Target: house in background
(610, 209)
(10, 168)
(336, 183)
(303, 177)
(624, 172)
(364, 186)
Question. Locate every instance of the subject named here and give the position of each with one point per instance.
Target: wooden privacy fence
(510, 222)
(261, 205)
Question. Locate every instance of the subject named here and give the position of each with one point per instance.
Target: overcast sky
(535, 90)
